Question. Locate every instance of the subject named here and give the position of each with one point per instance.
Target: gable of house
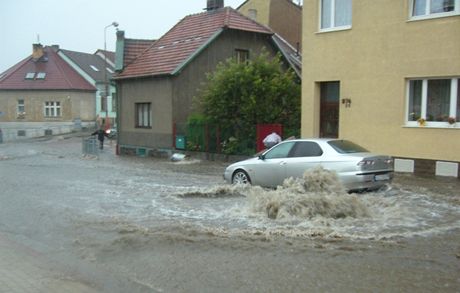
(185, 40)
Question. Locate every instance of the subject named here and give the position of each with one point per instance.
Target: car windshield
(346, 147)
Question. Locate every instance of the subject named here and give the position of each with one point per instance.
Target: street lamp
(106, 83)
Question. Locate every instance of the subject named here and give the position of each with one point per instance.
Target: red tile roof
(134, 48)
(178, 45)
(59, 75)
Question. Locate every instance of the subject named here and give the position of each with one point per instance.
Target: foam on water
(318, 193)
(216, 192)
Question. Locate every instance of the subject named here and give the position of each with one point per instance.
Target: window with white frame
(41, 75)
(143, 115)
(434, 101)
(434, 8)
(21, 106)
(52, 109)
(335, 14)
(30, 75)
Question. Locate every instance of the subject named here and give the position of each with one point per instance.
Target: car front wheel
(241, 177)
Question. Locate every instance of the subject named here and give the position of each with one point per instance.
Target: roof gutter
(197, 52)
(115, 78)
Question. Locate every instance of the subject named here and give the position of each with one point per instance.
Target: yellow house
(385, 74)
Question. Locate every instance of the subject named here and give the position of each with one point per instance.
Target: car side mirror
(262, 157)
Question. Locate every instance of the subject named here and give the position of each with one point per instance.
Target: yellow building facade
(385, 74)
(284, 17)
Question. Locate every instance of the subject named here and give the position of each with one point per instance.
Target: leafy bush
(239, 96)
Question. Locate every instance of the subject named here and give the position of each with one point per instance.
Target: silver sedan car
(357, 168)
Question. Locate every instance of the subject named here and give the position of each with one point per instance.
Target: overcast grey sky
(78, 25)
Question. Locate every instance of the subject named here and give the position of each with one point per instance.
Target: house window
(114, 102)
(104, 102)
(433, 100)
(52, 109)
(241, 56)
(21, 107)
(30, 75)
(143, 115)
(335, 14)
(434, 8)
(41, 75)
(252, 14)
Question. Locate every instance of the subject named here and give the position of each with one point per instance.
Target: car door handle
(282, 163)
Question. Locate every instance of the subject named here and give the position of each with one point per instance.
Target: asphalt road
(127, 224)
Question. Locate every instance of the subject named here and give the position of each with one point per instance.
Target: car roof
(313, 139)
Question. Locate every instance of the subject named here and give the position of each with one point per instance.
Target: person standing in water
(100, 136)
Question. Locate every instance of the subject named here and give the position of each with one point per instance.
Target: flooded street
(128, 224)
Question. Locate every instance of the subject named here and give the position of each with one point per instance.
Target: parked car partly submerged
(357, 168)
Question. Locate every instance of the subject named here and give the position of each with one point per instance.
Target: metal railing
(89, 146)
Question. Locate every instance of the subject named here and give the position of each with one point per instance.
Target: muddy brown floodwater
(177, 227)
(307, 236)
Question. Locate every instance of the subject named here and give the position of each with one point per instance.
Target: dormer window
(30, 75)
(41, 75)
(94, 68)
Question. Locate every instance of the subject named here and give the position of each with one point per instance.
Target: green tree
(238, 96)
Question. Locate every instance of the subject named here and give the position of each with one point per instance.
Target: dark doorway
(329, 115)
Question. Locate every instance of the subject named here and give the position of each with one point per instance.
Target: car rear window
(346, 147)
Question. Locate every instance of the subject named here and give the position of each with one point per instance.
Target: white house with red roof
(56, 91)
(44, 95)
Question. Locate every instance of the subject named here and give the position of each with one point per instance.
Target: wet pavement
(23, 270)
(128, 224)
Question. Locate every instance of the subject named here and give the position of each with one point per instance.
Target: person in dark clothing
(100, 136)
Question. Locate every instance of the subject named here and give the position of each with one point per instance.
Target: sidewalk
(26, 271)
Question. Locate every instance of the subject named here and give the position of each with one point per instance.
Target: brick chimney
(37, 51)
(214, 4)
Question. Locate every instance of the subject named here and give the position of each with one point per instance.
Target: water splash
(216, 192)
(318, 193)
